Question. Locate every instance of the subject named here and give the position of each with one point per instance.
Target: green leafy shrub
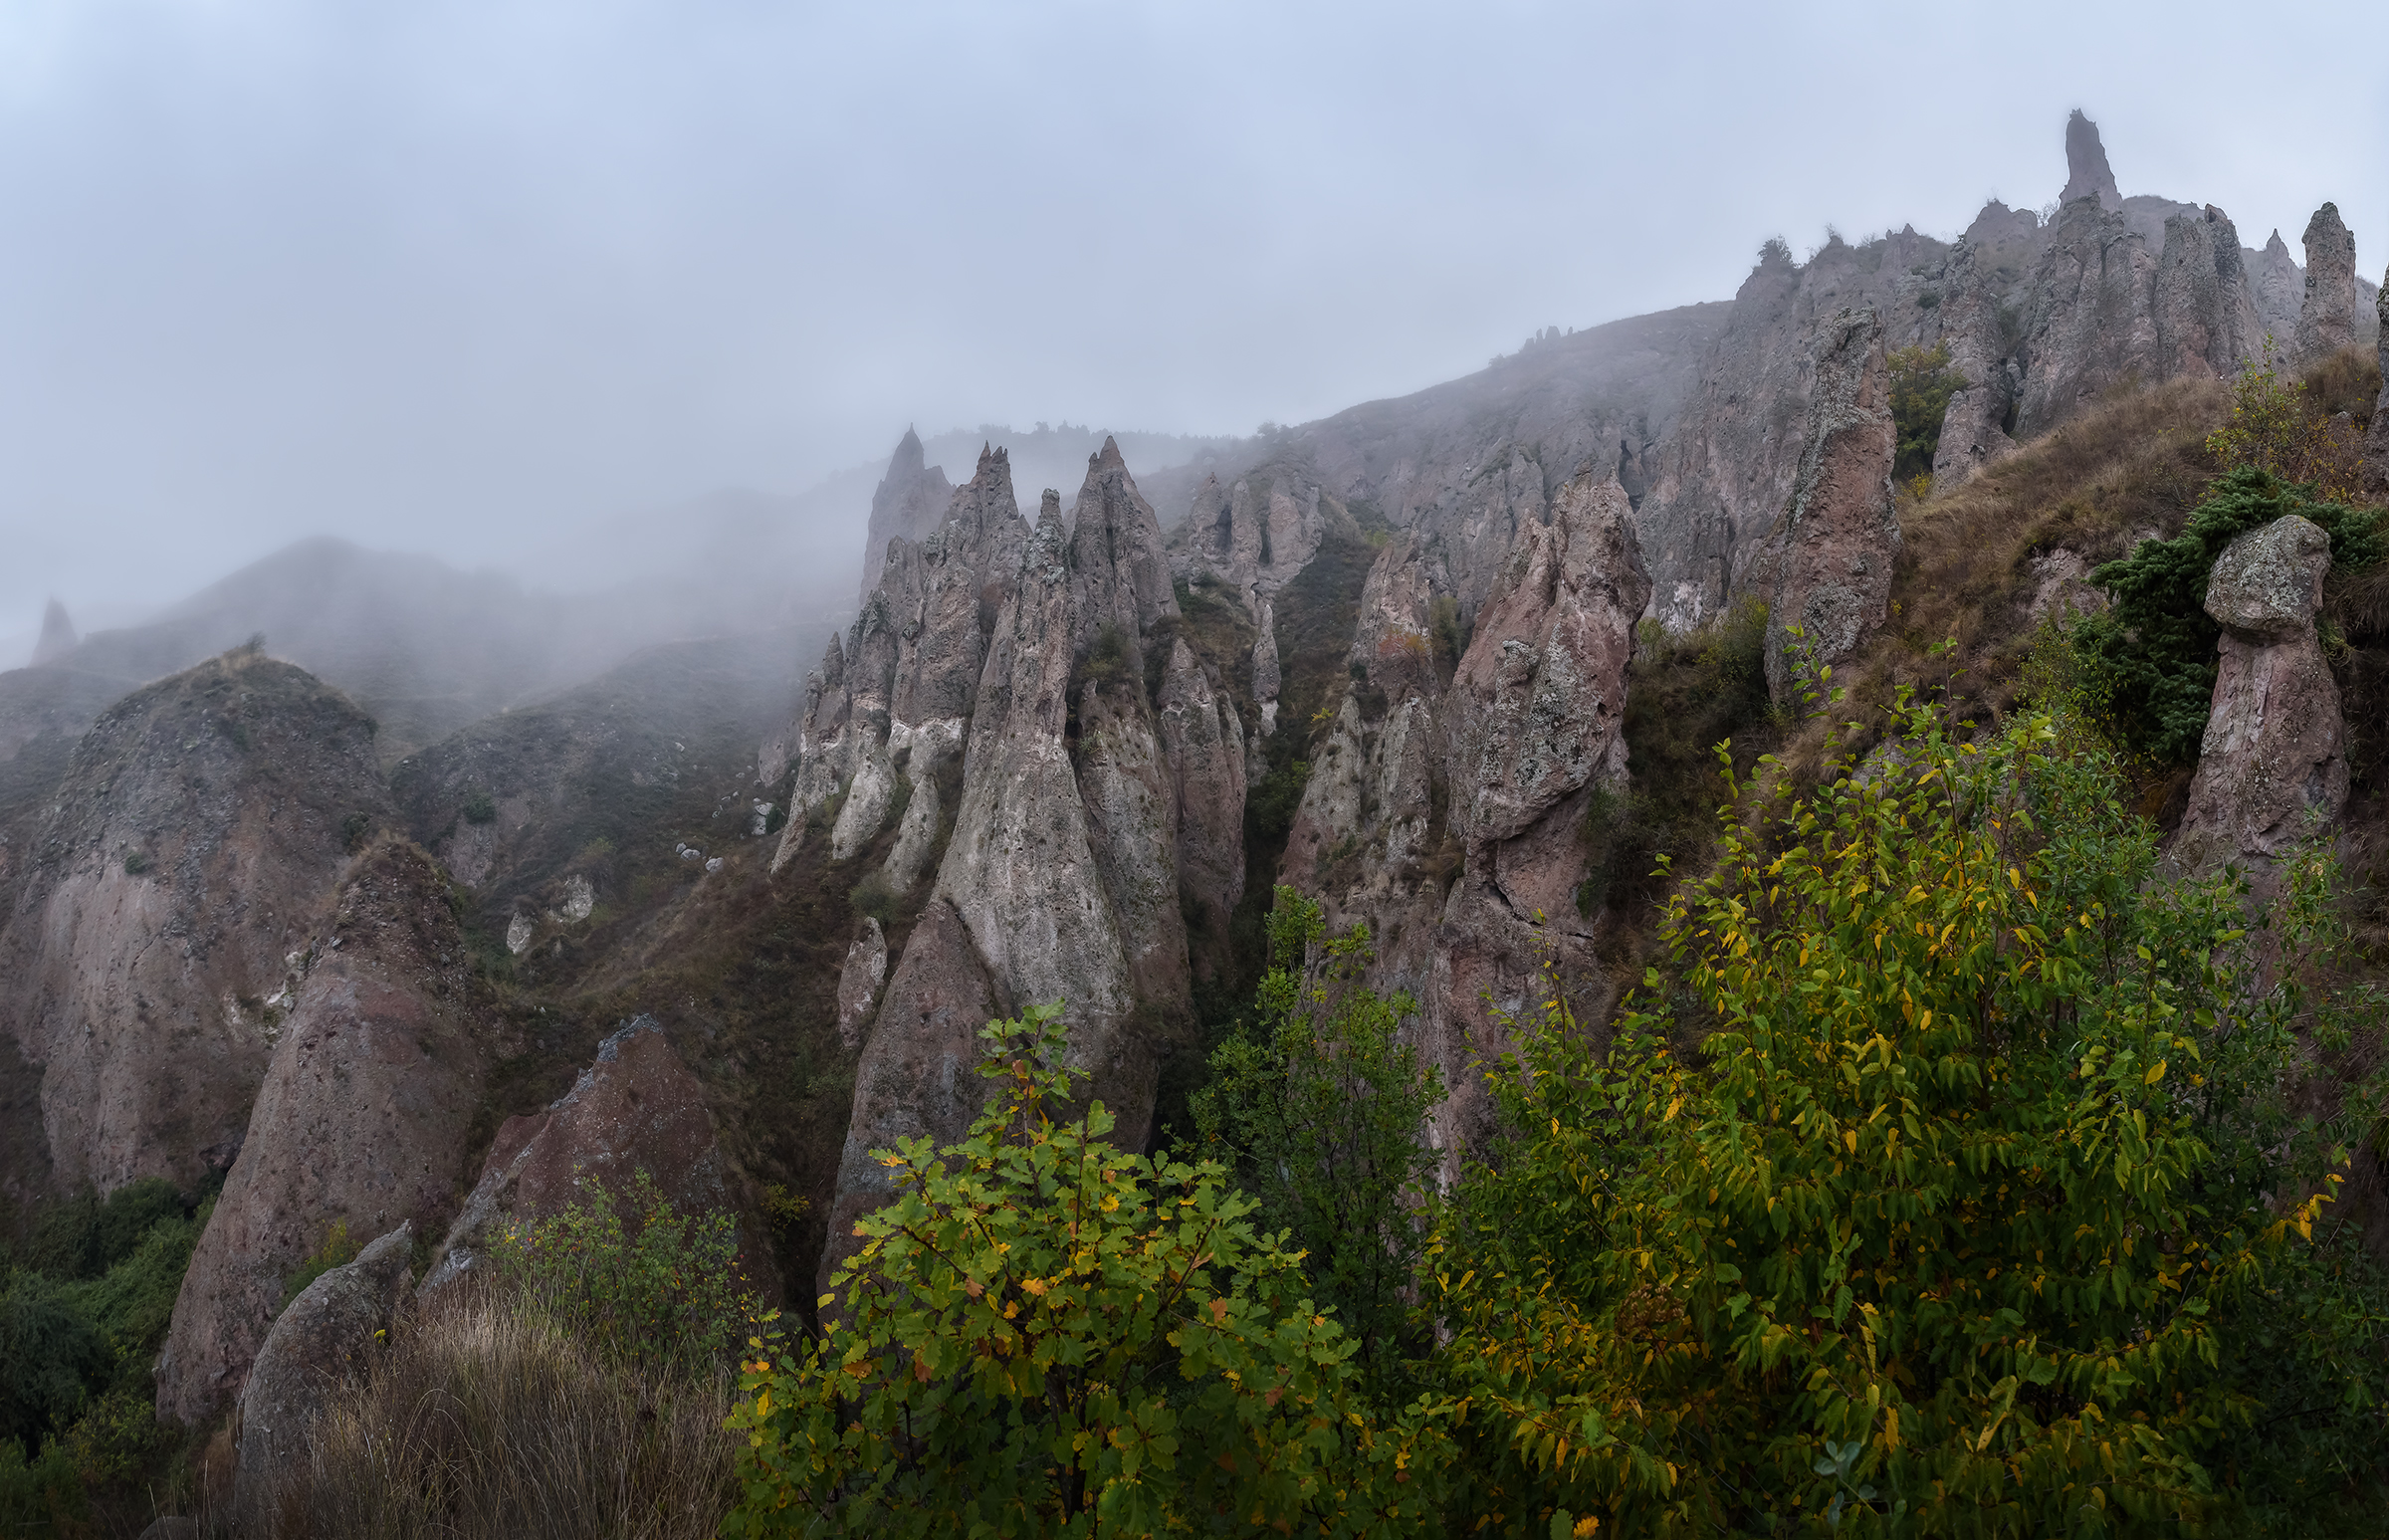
(1322, 1114)
(874, 898)
(660, 1289)
(1921, 384)
(2156, 646)
(337, 1250)
(1047, 1335)
(479, 807)
(135, 863)
(1270, 806)
(1952, 1224)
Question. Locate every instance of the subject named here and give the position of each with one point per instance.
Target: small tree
(1047, 1335)
(1323, 1117)
(1921, 384)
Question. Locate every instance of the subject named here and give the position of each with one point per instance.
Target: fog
(521, 285)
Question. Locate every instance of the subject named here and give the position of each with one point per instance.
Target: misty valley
(1759, 919)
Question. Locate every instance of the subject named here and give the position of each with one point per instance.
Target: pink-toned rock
(1537, 717)
(2376, 441)
(636, 1108)
(1203, 743)
(360, 1121)
(1836, 547)
(2272, 769)
(2086, 172)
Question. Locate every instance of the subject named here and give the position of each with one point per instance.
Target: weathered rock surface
(2272, 770)
(890, 701)
(328, 1333)
(859, 982)
(1538, 711)
(2086, 172)
(361, 1119)
(2331, 316)
(165, 904)
(2040, 321)
(909, 502)
(1067, 873)
(1834, 551)
(636, 1108)
(58, 636)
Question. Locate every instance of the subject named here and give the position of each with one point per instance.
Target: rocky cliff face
(1832, 556)
(164, 907)
(361, 1119)
(2040, 321)
(2278, 285)
(1099, 798)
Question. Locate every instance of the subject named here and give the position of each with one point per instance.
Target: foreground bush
(485, 1419)
(1048, 1335)
(1936, 1189)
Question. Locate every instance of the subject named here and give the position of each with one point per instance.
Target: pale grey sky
(453, 276)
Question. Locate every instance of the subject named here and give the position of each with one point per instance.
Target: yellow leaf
(2155, 1074)
(1850, 1138)
(1672, 1108)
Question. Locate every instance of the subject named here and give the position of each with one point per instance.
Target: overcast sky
(452, 276)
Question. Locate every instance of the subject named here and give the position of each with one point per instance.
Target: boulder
(361, 1119)
(2330, 318)
(1835, 548)
(2272, 769)
(163, 907)
(328, 1333)
(635, 1108)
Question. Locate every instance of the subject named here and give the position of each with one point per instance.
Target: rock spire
(2329, 320)
(57, 635)
(910, 502)
(2086, 173)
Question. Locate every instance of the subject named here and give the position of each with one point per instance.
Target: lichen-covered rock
(360, 1121)
(164, 909)
(328, 1333)
(859, 982)
(635, 1108)
(2331, 316)
(2272, 769)
(1838, 543)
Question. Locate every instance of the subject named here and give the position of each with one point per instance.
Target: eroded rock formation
(2331, 315)
(165, 907)
(907, 503)
(2086, 172)
(2272, 769)
(1834, 552)
(361, 1119)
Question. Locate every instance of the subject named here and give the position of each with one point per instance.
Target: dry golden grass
(2129, 468)
(483, 1421)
